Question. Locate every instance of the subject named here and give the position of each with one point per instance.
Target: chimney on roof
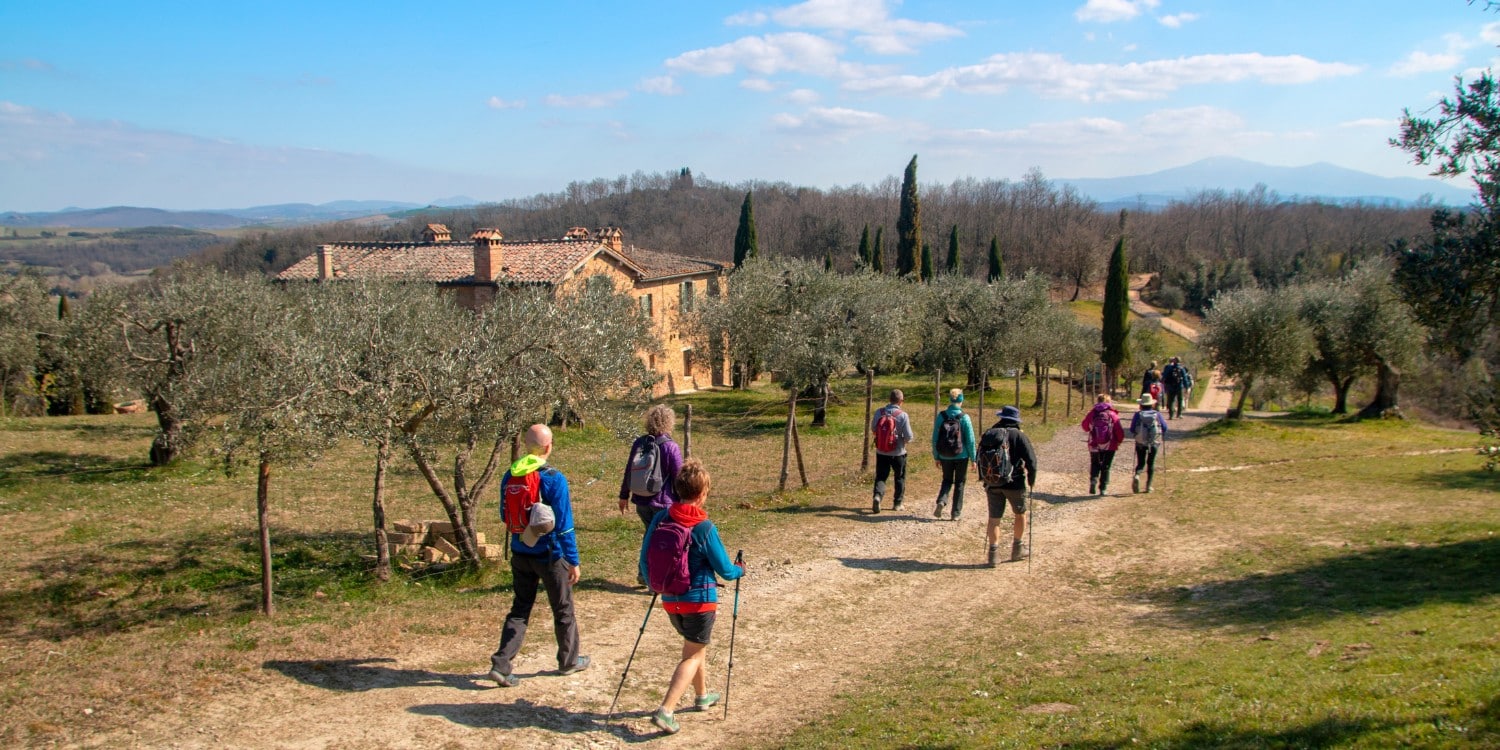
(436, 233)
(487, 254)
(612, 238)
(325, 262)
(577, 233)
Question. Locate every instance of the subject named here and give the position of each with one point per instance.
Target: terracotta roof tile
(546, 261)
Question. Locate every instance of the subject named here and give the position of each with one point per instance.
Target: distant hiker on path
(1175, 381)
(534, 498)
(1007, 466)
(1102, 424)
(680, 556)
(651, 470)
(1149, 430)
(1151, 382)
(952, 451)
(892, 429)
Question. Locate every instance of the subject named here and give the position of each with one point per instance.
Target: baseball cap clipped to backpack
(542, 521)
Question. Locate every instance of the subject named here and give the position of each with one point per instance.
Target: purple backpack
(667, 558)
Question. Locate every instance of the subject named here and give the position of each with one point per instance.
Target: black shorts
(695, 627)
(998, 497)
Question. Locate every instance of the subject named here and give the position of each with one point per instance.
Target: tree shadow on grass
(17, 468)
(1327, 732)
(526, 713)
(1477, 480)
(902, 565)
(1377, 580)
(360, 675)
(117, 587)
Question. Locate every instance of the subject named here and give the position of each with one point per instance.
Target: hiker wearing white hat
(1150, 431)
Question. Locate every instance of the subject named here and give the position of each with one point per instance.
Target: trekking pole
(739, 559)
(637, 645)
(1031, 537)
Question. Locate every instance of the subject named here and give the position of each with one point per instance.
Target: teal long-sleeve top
(968, 430)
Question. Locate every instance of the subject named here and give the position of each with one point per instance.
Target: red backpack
(667, 558)
(887, 430)
(517, 495)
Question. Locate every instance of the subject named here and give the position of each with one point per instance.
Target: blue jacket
(561, 543)
(968, 428)
(706, 558)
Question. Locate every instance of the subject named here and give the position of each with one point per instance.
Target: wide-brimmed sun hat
(1146, 400)
(1011, 413)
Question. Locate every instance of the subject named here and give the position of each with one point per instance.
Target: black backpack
(995, 465)
(1172, 375)
(950, 438)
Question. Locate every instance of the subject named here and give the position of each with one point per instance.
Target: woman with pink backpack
(1105, 432)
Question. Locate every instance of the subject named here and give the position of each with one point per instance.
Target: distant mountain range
(1320, 181)
(279, 215)
(1149, 191)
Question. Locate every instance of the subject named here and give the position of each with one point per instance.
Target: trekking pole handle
(739, 557)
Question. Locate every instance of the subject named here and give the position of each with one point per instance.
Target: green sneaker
(665, 722)
(706, 701)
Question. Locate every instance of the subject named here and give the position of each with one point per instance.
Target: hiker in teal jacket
(953, 451)
(692, 613)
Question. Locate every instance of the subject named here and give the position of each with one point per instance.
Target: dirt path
(824, 610)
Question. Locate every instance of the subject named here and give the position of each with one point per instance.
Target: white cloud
(1052, 76)
(496, 102)
(793, 52)
(758, 84)
(1110, 11)
(1370, 122)
(1420, 61)
(663, 85)
(1490, 33)
(747, 18)
(803, 96)
(584, 101)
(1176, 21)
(832, 122)
(871, 21)
(1165, 134)
(52, 160)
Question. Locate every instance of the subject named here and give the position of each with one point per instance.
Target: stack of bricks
(434, 542)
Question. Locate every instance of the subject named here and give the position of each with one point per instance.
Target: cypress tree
(1116, 308)
(63, 311)
(955, 263)
(877, 253)
(909, 225)
(864, 248)
(926, 271)
(744, 237)
(997, 266)
(828, 261)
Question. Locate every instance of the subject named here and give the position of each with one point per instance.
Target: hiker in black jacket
(1013, 492)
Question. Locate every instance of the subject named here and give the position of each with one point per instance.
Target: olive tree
(1253, 334)
(26, 318)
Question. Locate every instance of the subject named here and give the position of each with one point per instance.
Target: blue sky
(229, 104)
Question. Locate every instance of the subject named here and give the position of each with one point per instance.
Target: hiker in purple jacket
(659, 421)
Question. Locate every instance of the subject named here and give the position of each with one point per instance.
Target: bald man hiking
(538, 514)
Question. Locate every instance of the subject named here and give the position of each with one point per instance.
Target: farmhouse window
(686, 303)
(646, 304)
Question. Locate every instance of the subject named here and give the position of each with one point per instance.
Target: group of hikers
(682, 558)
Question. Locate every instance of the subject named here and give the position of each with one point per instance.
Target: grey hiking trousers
(528, 572)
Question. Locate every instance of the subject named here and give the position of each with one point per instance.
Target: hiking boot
(1101, 489)
(875, 505)
(1093, 487)
(1017, 552)
(1148, 486)
(706, 701)
(938, 511)
(665, 722)
(578, 666)
(504, 680)
(994, 555)
(1135, 483)
(956, 515)
(896, 507)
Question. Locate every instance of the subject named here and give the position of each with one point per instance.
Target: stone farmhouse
(664, 284)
